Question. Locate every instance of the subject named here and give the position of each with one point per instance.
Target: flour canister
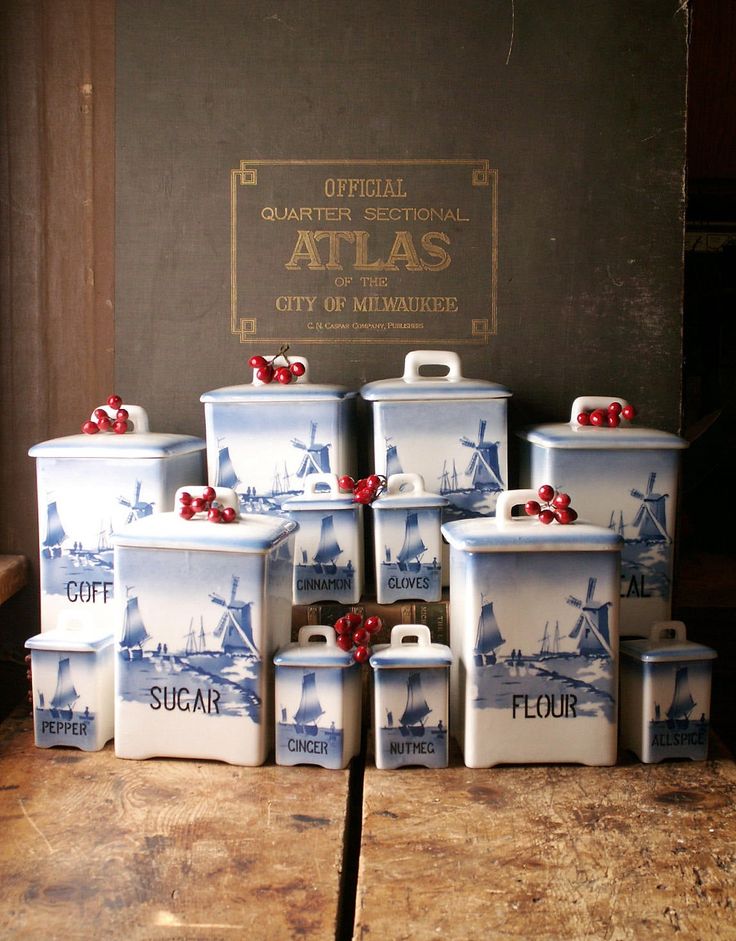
(624, 478)
(202, 607)
(407, 541)
(328, 548)
(265, 439)
(88, 487)
(534, 615)
(72, 682)
(411, 699)
(318, 701)
(665, 694)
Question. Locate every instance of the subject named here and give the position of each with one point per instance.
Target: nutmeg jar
(665, 694)
(624, 478)
(88, 487)
(201, 607)
(534, 615)
(72, 682)
(411, 697)
(408, 544)
(328, 549)
(318, 701)
(265, 439)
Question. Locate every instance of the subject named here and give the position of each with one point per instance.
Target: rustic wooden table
(92, 846)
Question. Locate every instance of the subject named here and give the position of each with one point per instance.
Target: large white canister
(534, 631)
(264, 440)
(89, 486)
(201, 609)
(624, 478)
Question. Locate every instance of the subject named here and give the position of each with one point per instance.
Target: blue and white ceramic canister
(72, 680)
(534, 615)
(201, 609)
(265, 440)
(665, 694)
(318, 701)
(88, 487)
(626, 479)
(407, 539)
(411, 699)
(449, 429)
(328, 549)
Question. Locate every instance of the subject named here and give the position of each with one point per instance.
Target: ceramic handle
(281, 361)
(506, 502)
(587, 403)
(405, 483)
(320, 630)
(420, 632)
(418, 358)
(330, 481)
(223, 495)
(137, 416)
(668, 630)
(69, 620)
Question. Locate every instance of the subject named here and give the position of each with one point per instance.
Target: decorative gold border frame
(247, 175)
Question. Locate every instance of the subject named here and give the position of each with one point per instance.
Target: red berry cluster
(364, 490)
(267, 370)
(353, 633)
(190, 506)
(607, 417)
(553, 506)
(103, 422)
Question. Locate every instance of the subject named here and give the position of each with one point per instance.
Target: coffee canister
(89, 486)
(626, 479)
(411, 698)
(318, 701)
(407, 541)
(328, 549)
(265, 439)
(72, 682)
(665, 694)
(201, 608)
(534, 630)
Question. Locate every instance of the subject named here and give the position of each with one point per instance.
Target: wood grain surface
(567, 852)
(98, 847)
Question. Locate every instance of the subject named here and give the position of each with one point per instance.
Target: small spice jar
(73, 687)
(318, 701)
(411, 699)
(665, 694)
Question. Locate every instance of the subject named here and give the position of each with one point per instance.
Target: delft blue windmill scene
(308, 717)
(645, 558)
(60, 711)
(680, 721)
(195, 653)
(565, 657)
(414, 723)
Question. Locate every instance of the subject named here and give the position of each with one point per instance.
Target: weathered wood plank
(13, 575)
(94, 846)
(636, 851)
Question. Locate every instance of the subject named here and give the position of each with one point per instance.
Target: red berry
(568, 515)
(373, 624)
(628, 412)
(90, 428)
(114, 401)
(361, 636)
(584, 418)
(532, 508)
(561, 501)
(615, 408)
(613, 421)
(344, 642)
(104, 424)
(546, 493)
(122, 414)
(100, 413)
(373, 482)
(257, 362)
(598, 417)
(546, 517)
(343, 626)
(120, 427)
(228, 514)
(363, 496)
(214, 515)
(346, 482)
(353, 618)
(297, 369)
(186, 512)
(185, 498)
(361, 654)
(283, 375)
(208, 493)
(197, 504)
(265, 374)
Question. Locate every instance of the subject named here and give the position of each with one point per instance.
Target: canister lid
(667, 641)
(413, 385)
(251, 532)
(76, 632)
(306, 652)
(406, 492)
(572, 435)
(321, 492)
(411, 646)
(504, 533)
(299, 389)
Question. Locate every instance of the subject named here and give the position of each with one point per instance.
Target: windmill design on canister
(651, 517)
(138, 508)
(316, 459)
(591, 628)
(235, 627)
(483, 468)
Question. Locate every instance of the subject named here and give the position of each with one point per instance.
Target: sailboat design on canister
(55, 533)
(487, 636)
(310, 709)
(134, 630)
(417, 708)
(65, 695)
